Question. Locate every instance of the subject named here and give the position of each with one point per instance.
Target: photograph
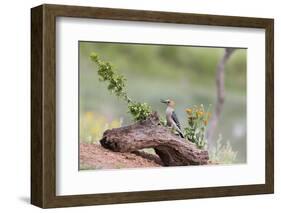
(141, 105)
(160, 105)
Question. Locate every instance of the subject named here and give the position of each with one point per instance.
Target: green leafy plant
(197, 120)
(116, 85)
(139, 111)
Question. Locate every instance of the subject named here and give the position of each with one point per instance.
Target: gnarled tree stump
(173, 150)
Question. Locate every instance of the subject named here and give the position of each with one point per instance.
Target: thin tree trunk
(220, 94)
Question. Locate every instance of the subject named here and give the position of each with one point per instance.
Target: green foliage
(117, 86)
(197, 124)
(116, 82)
(223, 154)
(139, 111)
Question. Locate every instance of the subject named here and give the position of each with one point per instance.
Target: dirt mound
(94, 156)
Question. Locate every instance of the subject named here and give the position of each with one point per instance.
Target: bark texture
(173, 150)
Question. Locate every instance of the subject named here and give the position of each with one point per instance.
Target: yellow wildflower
(199, 113)
(189, 111)
(89, 116)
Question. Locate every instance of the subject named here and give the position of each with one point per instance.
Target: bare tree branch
(220, 94)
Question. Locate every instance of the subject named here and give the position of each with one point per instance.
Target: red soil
(94, 156)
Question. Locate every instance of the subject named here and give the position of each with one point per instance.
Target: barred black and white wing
(176, 120)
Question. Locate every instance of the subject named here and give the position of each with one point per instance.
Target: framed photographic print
(136, 106)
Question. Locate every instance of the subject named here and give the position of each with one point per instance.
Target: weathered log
(173, 150)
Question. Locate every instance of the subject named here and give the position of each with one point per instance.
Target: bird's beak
(163, 101)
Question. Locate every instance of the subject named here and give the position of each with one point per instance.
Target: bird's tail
(180, 133)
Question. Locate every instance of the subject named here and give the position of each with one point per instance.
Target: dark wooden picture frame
(43, 105)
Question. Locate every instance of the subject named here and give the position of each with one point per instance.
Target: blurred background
(185, 74)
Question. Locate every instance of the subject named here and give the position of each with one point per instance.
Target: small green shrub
(197, 119)
(139, 111)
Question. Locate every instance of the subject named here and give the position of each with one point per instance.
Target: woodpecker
(171, 117)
